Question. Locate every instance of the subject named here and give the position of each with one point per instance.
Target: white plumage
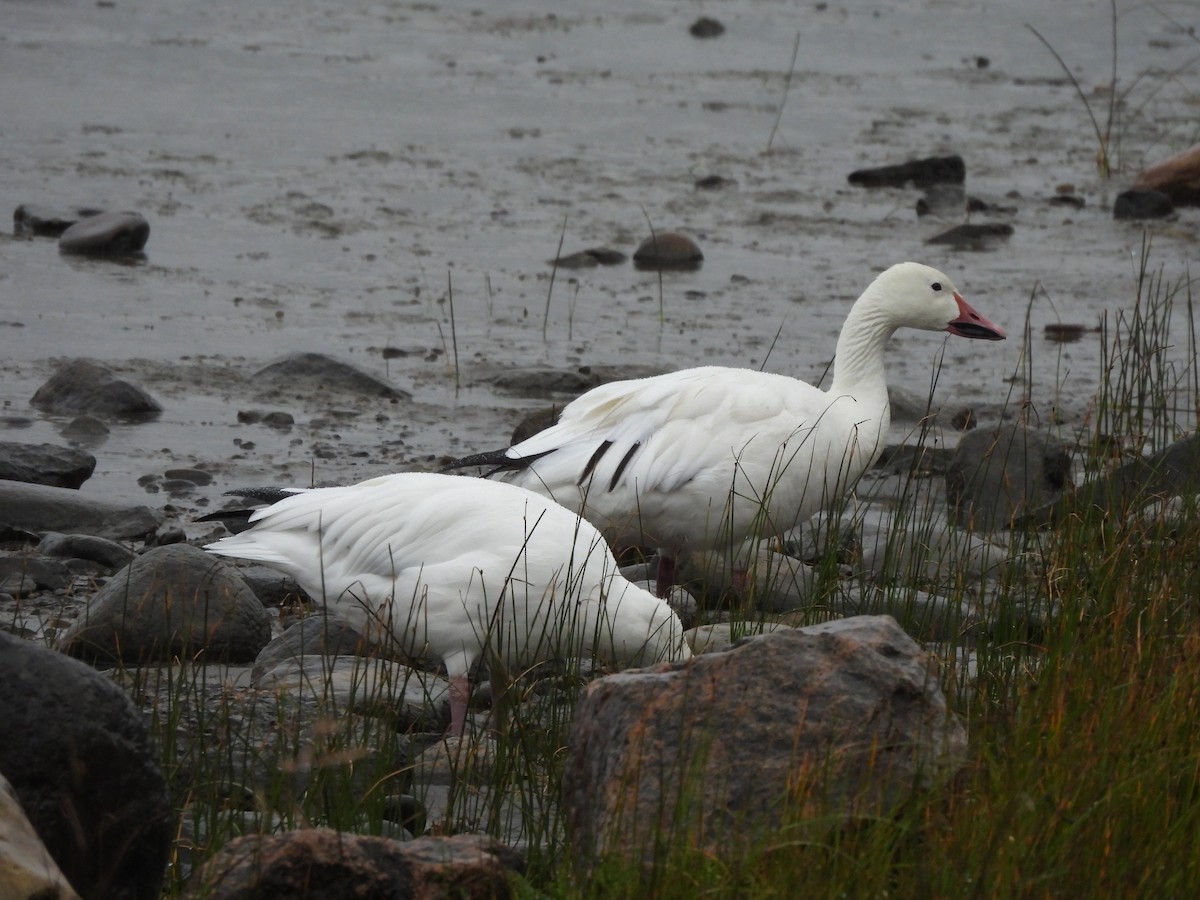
(458, 565)
(702, 458)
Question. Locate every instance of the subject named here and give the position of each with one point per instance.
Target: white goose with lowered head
(701, 459)
(459, 566)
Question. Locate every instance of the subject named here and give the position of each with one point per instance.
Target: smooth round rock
(111, 233)
(1142, 204)
(669, 250)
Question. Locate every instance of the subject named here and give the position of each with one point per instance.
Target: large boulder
(836, 720)
(321, 864)
(45, 464)
(40, 507)
(173, 601)
(1000, 476)
(27, 870)
(78, 755)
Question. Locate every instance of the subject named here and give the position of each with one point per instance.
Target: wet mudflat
(342, 177)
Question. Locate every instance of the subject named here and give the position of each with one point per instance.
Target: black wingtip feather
(497, 459)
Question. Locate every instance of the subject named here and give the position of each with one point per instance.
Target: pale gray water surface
(314, 171)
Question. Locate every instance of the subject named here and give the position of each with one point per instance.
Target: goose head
(919, 296)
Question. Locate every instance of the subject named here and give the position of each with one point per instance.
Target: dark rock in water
(43, 221)
(1143, 204)
(108, 554)
(108, 234)
(1176, 176)
(173, 601)
(669, 250)
(1002, 476)
(323, 864)
(704, 27)
(39, 507)
(78, 755)
(45, 464)
(1067, 332)
(83, 386)
(973, 236)
(1072, 200)
(836, 721)
(85, 429)
(921, 173)
(317, 372)
(713, 183)
(192, 476)
(590, 258)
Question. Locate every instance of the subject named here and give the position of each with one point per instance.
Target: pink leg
(460, 692)
(664, 578)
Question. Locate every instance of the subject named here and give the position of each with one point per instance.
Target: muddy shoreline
(335, 179)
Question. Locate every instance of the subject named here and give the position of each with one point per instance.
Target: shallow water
(318, 176)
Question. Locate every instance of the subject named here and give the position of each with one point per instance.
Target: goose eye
(937, 285)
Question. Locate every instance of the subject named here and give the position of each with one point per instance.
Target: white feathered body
(702, 456)
(455, 565)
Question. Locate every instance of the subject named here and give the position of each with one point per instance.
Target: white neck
(858, 361)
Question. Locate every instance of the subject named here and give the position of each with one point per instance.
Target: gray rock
(1142, 204)
(317, 634)
(44, 221)
(999, 476)
(27, 870)
(47, 574)
(409, 700)
(38, 507)
(307, 372)
(173, 601)
(271, 586)
(85, 430)
(45, 464)
(108, 554)
(322, 863)
(106, 234)
(668, 250)
(80, 759)
(831, 721)
(82, 386)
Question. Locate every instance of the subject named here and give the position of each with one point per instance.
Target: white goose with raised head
(701, 459)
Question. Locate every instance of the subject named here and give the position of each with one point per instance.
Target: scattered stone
(322, 863)
(281, 421)
(1002, 475)
(1177, 177)
(39, 507)
(79, 757)
(173, 601)
(704, 27)
(44, 221)
(27, 870)
(837, 720)
(106, 234)
(669, 250)
(1067, 332)
(974, 236)
(922, 173)
(1072, 200)
(590, 258)
(714, 183)
(45, 464)
(315, 372)
(82, 386)
(1142, 204)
